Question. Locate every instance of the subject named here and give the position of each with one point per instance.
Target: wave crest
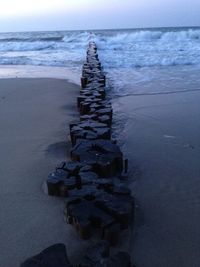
(147, 35)
(119, 48)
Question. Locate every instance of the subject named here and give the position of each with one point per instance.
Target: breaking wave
(132, 59)
(119, 48)
(31, 39)
(148, 36)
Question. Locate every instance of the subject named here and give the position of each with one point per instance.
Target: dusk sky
(25, 15)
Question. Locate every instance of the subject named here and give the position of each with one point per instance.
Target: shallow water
(27, 71)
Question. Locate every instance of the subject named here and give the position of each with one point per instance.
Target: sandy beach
(34, 120)
(161, 140)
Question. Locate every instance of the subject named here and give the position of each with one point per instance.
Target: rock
(111, 233)
(104, 156)
(84, 82)
(88, 117)
(54, 181)
(105, 119)
(84, 216)
(86, 168)
(53, 256)
(89, 192)
(104, 111)
(89, 130)
(80, 99)
(84, 108)
(121, 259)
(120, 208)
(60, 185)
(96, 253)
(71, 167)
(87, 177)
(78, 214)
(91, 206)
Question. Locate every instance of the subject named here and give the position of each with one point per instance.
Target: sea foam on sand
(28, 71)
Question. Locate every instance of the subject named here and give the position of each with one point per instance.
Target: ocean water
(133, 59)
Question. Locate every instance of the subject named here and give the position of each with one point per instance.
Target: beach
(34, 118)
(160, 138)
(153, 84)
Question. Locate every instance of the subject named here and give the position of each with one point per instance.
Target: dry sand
(162, 141)
(34, 120)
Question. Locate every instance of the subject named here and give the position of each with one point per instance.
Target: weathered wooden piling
(93, 182)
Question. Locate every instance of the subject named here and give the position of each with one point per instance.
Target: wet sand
(161, 138)
(34, 121)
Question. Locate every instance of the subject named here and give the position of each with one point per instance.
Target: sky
(34, 15)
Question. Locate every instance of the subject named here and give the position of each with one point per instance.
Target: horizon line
(105, 29)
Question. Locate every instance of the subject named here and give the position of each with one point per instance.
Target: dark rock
(86, 168)
(79, 216)
(84, 82)
(117, 207)
(89, 130)
(87, 177)
(104, 111)
(105, 119)
(59, 185)
(84, 215)
(121, 259)
(111, 233)
(54, 256)
(96, 253)
(84, 108)
(73, 167)
(89, 192)
(104, 156)
(80, 99)
(88, 117)
(54, 182)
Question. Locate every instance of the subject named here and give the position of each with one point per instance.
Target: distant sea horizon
(105, 29)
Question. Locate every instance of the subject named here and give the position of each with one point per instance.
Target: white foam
(121, 49)
(39, 72)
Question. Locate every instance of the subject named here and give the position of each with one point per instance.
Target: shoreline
(39, 72)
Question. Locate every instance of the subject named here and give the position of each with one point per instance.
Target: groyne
(97, 201)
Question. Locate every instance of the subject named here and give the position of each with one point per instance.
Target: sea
(136, 61)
